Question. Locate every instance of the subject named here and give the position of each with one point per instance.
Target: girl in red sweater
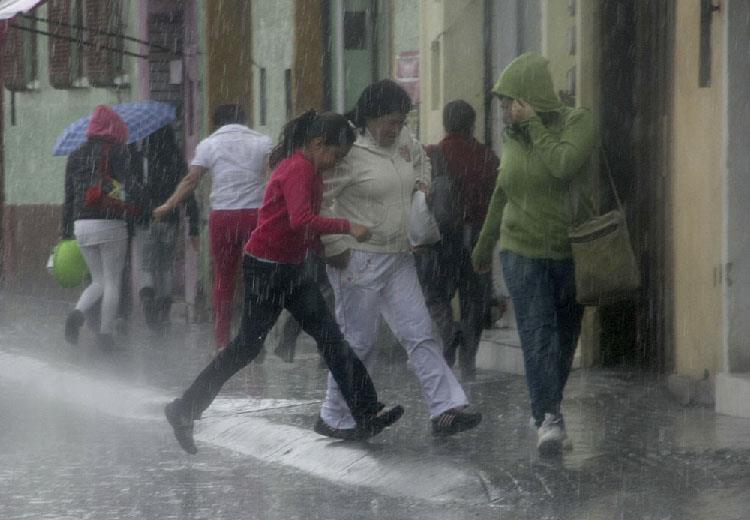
(288, 225)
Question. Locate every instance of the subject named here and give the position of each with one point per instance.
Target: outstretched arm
(184, 189)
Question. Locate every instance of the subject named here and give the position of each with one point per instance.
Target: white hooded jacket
(373, 186)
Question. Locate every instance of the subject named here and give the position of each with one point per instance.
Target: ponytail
(292, 137)
(334, 128)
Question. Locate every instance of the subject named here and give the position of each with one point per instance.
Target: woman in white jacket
(373, 186)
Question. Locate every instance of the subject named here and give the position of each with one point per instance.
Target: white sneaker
(551, 435)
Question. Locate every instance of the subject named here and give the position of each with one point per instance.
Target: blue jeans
(549, 323)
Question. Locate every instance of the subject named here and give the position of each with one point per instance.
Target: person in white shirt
(237, 158)
(373, 185)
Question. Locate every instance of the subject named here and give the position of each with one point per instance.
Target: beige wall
(229, 55)
(309, 47)
(697, 214)
(587, 57)
(431, 61)
(558, 28)
(453, 31)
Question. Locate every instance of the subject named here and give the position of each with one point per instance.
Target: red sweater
(288, 221)
(475, 165)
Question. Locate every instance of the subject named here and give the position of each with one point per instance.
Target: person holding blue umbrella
(99, 191)
(142, 118)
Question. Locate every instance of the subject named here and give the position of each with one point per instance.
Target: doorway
(635, 56)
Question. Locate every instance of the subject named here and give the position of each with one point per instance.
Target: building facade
(666, 82)
(60, 60)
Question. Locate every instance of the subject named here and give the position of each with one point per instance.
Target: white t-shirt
(236, 156)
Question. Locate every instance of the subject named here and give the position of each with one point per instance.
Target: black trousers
(444, 269)
(269, 288)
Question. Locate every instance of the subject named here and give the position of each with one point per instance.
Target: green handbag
(606, 270)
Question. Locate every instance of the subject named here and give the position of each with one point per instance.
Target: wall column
(229, 54)
(308, 62)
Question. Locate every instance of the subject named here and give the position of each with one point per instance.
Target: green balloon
(68, 265)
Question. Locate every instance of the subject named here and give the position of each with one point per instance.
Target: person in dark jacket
(446, 267)
(100, 226)
(163, 169)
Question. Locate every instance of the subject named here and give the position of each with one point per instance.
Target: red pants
(229, 230)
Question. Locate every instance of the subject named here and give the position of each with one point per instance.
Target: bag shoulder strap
(439, 164)
(573, 194)
(611, 179)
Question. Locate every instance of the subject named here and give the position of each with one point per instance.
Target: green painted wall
(273, 24)
(32, 174)
(405, 26)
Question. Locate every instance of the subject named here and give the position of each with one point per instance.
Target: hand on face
(516, 111)
(521, 111)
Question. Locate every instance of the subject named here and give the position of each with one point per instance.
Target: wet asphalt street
(83, 437)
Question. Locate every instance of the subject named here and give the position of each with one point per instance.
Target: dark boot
(449, 351)
(182, 424)
(73, 326)
(148, 300)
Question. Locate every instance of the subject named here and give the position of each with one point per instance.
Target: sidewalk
(636, 452)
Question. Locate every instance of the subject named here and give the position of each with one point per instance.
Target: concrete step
(733, 394)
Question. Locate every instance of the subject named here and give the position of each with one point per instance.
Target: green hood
(528, 78)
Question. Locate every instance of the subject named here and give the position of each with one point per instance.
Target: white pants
(105, 260)
(385, 284)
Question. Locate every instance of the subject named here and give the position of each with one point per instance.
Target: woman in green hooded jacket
(546, 152)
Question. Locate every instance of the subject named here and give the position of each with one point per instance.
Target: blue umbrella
(142, 117)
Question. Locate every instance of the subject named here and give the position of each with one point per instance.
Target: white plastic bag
(423, 228)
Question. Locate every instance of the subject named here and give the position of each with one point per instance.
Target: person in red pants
(237, 158)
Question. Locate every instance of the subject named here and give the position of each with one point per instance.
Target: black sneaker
(384, 419)
(347, 434)
(182, 426)
(73, 326)
(454, 421)
(374, 426)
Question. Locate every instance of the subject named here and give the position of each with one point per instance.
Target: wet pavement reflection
(636, 452)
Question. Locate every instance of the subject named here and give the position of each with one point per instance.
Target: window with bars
(86, 43)
(105, 60)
